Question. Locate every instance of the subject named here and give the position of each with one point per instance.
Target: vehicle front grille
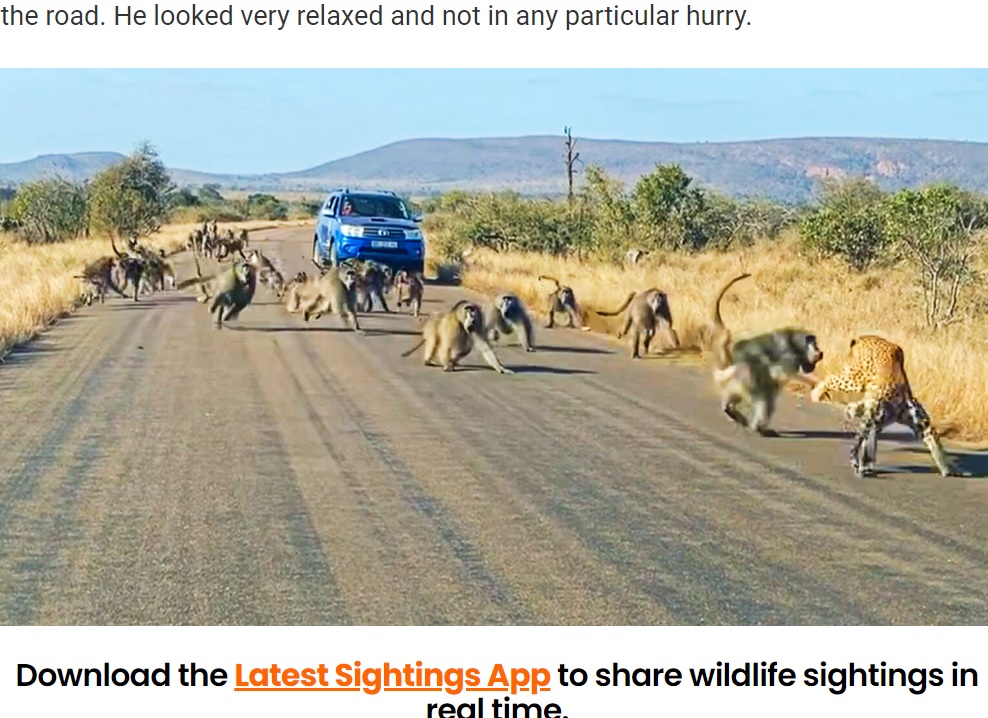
(375, 233)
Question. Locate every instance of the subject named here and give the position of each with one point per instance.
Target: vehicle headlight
(413, 234)
(351, 230)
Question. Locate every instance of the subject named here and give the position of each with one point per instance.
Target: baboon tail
(115, 250)
(413, 349)
(717, 319)
(621, 308)
(550, 279)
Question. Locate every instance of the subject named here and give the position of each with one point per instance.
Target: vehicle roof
(381, 193)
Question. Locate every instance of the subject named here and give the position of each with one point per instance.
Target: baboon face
(470, 317)
(507, 305)
(349, 278)
(301, 278)
(566, 297)
(243, 271)
(811, 354)
(660, 305)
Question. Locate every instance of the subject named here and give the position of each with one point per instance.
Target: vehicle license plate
(384, 245)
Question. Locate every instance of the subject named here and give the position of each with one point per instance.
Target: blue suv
(368, 225)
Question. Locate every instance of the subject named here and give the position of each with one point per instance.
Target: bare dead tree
(572, 156)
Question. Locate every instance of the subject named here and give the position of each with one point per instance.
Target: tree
(131, 198)
(934, 229)
(670, 209)
(210, 193)
(185, 197)
(266, 206)
(849, 223)
(50, 210)
(572, 157)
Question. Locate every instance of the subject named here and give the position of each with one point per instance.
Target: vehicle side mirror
(417, 218)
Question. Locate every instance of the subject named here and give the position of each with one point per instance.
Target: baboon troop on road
(748, 373)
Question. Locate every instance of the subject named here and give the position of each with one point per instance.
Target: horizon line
(799, 138)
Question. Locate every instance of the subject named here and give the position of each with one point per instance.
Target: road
(157, 471)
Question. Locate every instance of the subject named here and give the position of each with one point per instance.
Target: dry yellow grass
(38, 286)
(948, 369)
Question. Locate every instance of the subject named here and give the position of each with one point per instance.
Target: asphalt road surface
(154, 470)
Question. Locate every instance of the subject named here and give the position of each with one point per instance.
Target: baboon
(231, 291)
(370, 285)
(450, 336)
(244, 238)
(756, 369)
(128, 269)
(98, 277)
(228, 245)
(292, 292)
(507, 315)
(646, 311)
(167, 271)
(268, 274)
(715, 336)
(332, 292)
(562, 301)
(408, 290)
(157, 271)
(389, 278)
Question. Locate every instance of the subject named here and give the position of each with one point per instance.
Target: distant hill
(74, 167)
(784, 169)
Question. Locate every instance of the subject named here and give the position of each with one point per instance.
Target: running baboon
(268, 274)
(507, 315)
(157, 271)
(370, 285)
(330, 293)
(232, 290)
(562, 301)
(128, 269)
(756, 369)
(97, 277)
(646, 311)
(408, 290)
(450, 336)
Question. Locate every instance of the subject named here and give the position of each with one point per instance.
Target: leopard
(876, 367)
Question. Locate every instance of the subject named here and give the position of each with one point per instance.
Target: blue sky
(250, 121)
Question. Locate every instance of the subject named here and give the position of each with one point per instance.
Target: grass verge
(947, 368)
(38, 284)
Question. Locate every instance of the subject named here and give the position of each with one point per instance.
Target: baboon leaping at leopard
(754, 370)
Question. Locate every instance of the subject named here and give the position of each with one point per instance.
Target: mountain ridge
(783, 169)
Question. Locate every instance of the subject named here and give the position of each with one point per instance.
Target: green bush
(849, 223)
(51, 210)
(132, 197)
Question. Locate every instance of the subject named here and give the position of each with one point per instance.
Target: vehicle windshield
(368, 205)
